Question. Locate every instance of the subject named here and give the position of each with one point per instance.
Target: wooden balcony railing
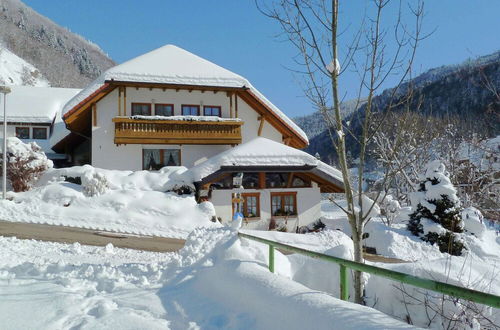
(145, 131)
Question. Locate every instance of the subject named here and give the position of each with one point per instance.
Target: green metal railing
(441, 287)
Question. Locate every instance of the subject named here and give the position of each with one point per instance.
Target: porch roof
(264, 155)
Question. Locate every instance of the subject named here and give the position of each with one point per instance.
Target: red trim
(79, 105)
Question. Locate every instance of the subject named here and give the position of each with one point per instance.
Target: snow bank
(476, 269)
(131, 202)
(216, 282)
(252, 297)
(168, 178)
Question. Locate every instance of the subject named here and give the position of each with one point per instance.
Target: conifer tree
(437, 218)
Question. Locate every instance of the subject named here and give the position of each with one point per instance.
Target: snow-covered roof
(173, 65)
(27, 104)
(261, 152)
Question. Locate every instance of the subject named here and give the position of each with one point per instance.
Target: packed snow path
(63, 234)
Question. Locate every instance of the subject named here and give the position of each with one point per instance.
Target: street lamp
(4, 90)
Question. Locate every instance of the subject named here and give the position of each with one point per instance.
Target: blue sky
(233, 34)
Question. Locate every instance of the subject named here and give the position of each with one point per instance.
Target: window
(141, 109)
(251, 205)
(155, 159)
(251, 180)
(211, 110)
(23, 132)
(164, 109)
(40, 133)
(190, 110)
(284, 204)
(276, 180)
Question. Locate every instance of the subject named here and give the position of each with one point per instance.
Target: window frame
(18, 128)
(282, 197)
(162, 153)
(165, 104)
(190, 105)
(218, 107)
(39, 128)
(139, 103)
(245, 205)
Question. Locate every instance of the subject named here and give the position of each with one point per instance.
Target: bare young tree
(377, 53)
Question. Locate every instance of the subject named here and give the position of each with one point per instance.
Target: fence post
(271, 258)
(344, 283)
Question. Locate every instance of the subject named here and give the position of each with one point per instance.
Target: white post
(4, 90)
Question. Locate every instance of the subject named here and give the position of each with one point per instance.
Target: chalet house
(34, 115)
(170, 107)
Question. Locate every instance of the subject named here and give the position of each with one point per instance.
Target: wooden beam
(174, 86)
(230, 104)
(262, 180)
(119, 101)
(290, 179)
(94, 114)
(261, 126)
(236, 105)
(125, 101)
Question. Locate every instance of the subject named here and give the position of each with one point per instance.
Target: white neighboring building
(281, 186)
(34, 115)
(170, 107)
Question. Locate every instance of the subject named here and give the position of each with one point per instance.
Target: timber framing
(326, 182)
(79, 118)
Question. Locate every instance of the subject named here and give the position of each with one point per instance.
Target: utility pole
(4, 90)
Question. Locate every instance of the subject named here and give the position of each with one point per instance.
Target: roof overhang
(326, 182)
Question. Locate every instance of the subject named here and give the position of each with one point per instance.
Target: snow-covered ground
(478, 268)
(134, 202)
(216, 282)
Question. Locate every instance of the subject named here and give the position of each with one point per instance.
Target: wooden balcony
(146, 131)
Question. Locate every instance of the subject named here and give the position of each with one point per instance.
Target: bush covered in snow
(473, 221)
(390, 209)
(437, 210)
(94, 183)
(26, 162)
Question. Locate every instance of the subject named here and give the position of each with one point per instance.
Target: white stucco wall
(308, 206)
(105, 154)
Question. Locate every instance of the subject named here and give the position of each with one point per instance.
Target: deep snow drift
(216, 282)
(131, 202)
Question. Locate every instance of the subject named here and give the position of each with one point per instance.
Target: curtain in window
(289, 204)
(141, 109)
(151, 159)
(171, 157)
(276, 205)
(163, 110)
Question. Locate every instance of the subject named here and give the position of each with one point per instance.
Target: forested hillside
(65, 59)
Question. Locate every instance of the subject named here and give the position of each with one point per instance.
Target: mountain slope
(465, 93)
(16, 71)
(64, 58)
